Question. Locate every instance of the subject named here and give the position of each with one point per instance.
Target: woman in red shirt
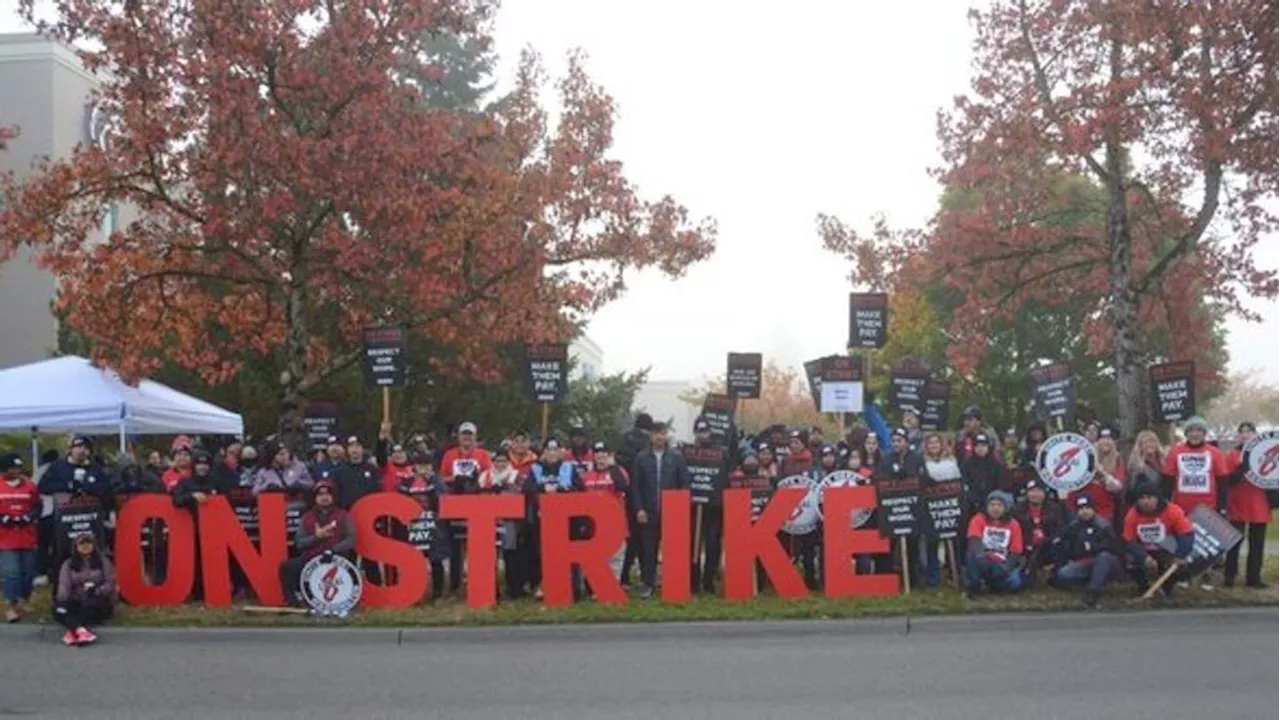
(1249, 511)
(1107, 486)
(19, 516)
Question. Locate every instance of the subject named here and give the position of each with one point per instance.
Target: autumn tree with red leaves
(291, 186)
(1170, 108)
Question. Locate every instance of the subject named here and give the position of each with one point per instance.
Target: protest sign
(546, 372)
(1260, 462)
(868, 320)
(1173, 391)
(1066, 462)
(1214, 537)
(937, 401)
(245, 505)
(943, 509)
(706, 471)
(838, 479)
(384, 357)
(907, 380)
(718, 411)
(813, 375)
(1054, 391)
(320, 422)
(743, 377)
(898, 506)
(76, 514)
(841, 384)
(761, 487)
(805, 518)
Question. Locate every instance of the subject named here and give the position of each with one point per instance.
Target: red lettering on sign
(222, 537)
(840, 543)
(677, 547)
(130, 574)
(481, 513)
(560, 553)
(411, 567)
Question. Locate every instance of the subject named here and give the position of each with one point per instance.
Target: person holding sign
(1106, 488)
(75, 474)
(426, 489)
(606, 477)
(460, 468)
(995, 548)
(1197, 470)
(1090, 551)
(86, 592)
(1149, 522)
(195, 490)
(1249, 511)
(325, 528)
(939, 467)
(1041, 519)
(19, 516)
(900, 464)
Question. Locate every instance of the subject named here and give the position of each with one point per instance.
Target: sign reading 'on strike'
(384, 357)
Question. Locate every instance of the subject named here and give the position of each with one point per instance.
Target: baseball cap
(81, 441)
(422, 458)
(1034, 484)
(1084, 501)
(901, 432)
(397, 448)
(575, 431)
(973, 411)
(333, 440)
(551, 444)
(354, 440)
(600, 447)
(701, 425)
(828, 450)
(1105, 432)
(10, 462)
(467, 427)
(981, 439)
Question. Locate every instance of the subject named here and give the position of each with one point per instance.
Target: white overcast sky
(762, 118)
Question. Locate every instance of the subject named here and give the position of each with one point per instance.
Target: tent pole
(35, 449)
(122, 450)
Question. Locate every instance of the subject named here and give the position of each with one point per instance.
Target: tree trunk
(292, 399)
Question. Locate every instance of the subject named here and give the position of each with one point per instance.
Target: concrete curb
(642, 632)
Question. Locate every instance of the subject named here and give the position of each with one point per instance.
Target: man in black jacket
(634, 442)
(355, 476)
(706, 564)
(1091, 553)
(656, 469)
(900, 462)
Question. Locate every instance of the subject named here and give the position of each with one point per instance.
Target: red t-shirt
(1196, 473)
(1246, 502)
(1103, 500)
(1150, 530)
(18, 503)
(602, 481)
(457, 461)
(173, 476)
(393, 475)
(1002, 537)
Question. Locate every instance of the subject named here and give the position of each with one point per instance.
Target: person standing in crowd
(393, 458)
(355, 476)
(195, 490)
(517, 540)
(853, 460)
(634, 442)
(282, 474)
(901, 463)
(656, 469)
(939, 466)
(1146, 463)
(521, 455)
(995, 548)
(982, 475)
(1036, 435)
(1106, 488)
(326, 461)
(75, 474)
(426, 489)
(706, 567)
(798, 460)
(606, 477)
(817, 441)
(579, 451)
(86, 593)
(1196, 470)
(460, 469)
(45, 567)
(1042, 520)
(768, 465)
(915, 436)
(19, 519)
(228, 470)
(1092, 431)
(249, 465)
(551, 475)
(1249, 511)
(324, 528)
(749, 476)
(179, 469)
(1090, 551)
(1149, 522)
(1010, 453)
(874, 454)
(970, 429)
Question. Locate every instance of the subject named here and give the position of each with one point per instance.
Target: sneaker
(1184, 585)
(537, 593)
(11, 615)
(1091, 598)
(70, 639)
(646, 593)
(40, 581)
(85, 637)
(1207, 587)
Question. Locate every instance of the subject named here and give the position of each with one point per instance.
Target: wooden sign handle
(1155, 587)
(906, 567)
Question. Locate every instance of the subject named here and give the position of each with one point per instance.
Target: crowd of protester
(1017, 531)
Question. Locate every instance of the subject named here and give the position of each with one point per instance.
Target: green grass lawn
(767, 607)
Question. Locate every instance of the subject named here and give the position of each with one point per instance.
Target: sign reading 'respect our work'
(1054, 392)
(384, 357)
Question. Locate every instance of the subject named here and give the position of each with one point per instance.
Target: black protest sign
(743, 375)
(245, 506)
(813, 374)
(1173, 391)
(1214, 536)
(761, 487)
(898, 506)
(937, 405)
(718, 411)
(79, 514)
(943, 511)
(384, 357)
(1054, 392)
(841, 368)
(908, 378)
(706, 472)
(547, 372)
(321, 422)
(294, 507)
(424, 534)
(868, 320)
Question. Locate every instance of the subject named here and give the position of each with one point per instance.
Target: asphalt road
(1218, 665)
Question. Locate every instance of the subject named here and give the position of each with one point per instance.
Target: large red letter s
(181, 551)
(560, 553)
(374, 546)
(222, 536)
(841, 542)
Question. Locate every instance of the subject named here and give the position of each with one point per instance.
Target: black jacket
(1051, 521)
(61, 478)
(1083, 540)
(354, 482)
(634, 442)
(648, 480)
(982, 476)
(184, 493)
(907, 465)
(132, 479)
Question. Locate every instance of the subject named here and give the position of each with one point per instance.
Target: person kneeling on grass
(1090, 550)
(324, 528)
(86, 592)
(994, 548)
(1147, 527)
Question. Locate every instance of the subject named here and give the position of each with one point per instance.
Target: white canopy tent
(68, 394)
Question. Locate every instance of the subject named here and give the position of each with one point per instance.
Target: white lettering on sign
(1151, 533)
(996, 539)
(1193, 473)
